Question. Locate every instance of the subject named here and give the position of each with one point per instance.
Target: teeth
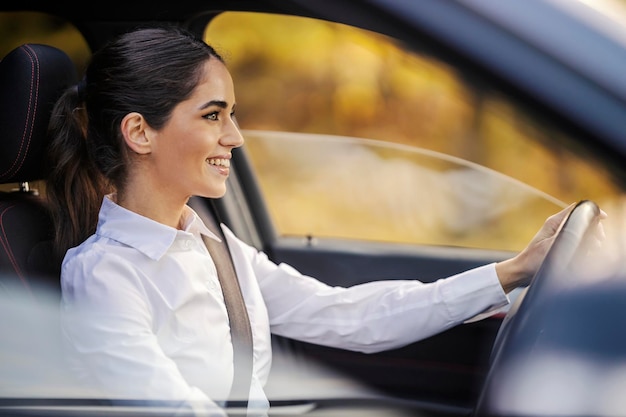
(221, 162)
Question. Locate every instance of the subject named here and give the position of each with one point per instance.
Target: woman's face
(192, 152)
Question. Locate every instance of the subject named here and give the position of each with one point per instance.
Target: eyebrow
(218, 103)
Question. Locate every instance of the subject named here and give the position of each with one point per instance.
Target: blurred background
(303, 75)
(309, 76)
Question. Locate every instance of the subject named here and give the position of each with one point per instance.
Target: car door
(445, 369)
(367, 159)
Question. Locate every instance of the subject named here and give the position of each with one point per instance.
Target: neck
(163, 209)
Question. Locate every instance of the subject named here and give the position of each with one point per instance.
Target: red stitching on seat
(30, 119)
(7, 247)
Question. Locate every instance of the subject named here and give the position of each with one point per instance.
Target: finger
(567, 210)
(555, 221)
(603, 214)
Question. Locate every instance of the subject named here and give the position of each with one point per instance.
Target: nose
(232, 137)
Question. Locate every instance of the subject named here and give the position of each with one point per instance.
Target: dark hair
(148, 71)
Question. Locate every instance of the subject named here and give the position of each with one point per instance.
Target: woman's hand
(519, 270)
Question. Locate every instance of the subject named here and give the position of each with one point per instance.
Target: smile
(219, 162)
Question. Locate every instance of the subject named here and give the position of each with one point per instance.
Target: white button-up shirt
(144, 317)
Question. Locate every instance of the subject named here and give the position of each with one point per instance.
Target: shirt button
(188, 244)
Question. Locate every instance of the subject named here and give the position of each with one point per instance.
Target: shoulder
(91, 251)
(100, 262)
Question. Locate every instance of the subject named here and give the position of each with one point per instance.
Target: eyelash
(214, 115)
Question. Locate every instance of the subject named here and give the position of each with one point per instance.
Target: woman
(151, 125)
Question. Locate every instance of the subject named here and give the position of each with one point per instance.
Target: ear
(136, 133)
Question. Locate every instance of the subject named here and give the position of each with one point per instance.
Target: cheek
(190, 141)
(176, 153)
(189, 144)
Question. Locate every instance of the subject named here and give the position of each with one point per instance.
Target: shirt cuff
(481, 294)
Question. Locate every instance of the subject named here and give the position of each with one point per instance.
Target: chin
(214, 193)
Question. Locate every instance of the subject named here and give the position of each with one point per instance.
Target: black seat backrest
(32, 77)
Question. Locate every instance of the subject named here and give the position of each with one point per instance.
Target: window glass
(375, 190)
(308, 76)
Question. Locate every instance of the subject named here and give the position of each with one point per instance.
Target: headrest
(32, 77)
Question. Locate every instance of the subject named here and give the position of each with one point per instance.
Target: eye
(212, 116)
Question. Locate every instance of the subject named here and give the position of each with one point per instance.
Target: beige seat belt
(240, 330)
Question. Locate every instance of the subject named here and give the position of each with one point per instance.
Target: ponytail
(75, 186)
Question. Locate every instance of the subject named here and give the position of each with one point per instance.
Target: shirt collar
(146, 235)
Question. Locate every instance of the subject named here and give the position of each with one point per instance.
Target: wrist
(511, 273)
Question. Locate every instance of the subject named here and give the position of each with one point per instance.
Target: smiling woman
(147, 284)
(389, 144)
(175, 171)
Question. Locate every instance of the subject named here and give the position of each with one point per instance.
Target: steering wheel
(526, 326)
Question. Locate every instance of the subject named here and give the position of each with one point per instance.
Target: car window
(376, 190)
(332, 79)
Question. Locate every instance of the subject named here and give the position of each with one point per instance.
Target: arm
(387, 314)
(368, 317)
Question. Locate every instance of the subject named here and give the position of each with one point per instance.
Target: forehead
(215, 82)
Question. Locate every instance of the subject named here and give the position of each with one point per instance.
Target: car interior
(32, 77)
(461, 372)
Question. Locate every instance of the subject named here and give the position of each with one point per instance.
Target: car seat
(32, 77)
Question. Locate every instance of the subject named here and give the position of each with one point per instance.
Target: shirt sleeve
(106, 324)
(373, 316)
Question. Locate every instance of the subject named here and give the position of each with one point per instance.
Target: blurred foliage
(305, 75)
(375, 190)
(302, 75)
